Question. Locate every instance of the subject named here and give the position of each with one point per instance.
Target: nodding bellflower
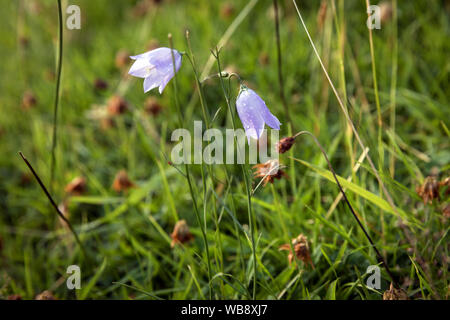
(156, 67)
(254, 113)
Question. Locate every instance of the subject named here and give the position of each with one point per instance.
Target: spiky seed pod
(269, 171)
(429, 190)
(301, 249)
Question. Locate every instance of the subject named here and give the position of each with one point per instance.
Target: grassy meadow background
(126, 235)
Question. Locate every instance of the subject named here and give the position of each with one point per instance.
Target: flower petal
(156, 67)
(141, 68)
(268, 117)
(152, 81)
(249, 114)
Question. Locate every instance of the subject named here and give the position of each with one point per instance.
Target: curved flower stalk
(156, 67)
(286, 143)
(254, 113)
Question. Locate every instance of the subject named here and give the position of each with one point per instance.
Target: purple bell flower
(254, 113)
(156, 67)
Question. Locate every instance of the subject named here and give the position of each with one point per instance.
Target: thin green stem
(188, 175)
(393, 92)
(251, 217)
(56, 100)
(375, 88)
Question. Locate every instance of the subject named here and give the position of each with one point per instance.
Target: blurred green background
(127, 234)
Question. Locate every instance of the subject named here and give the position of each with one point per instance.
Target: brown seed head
(117, 105)
(122, 59)
(15, 297)
(301, 249)
(100, 84)
(28, 100)
(152, 106)
(227, 10)
(285, 144)
(385, 11)
(429, 190)
(45, 295)
(181, 233)
(122, 182)
(395, 294)
(269, 171)
(77, 186)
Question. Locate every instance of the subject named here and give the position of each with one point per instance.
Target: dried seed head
(122, 182)
(269, 171)
(227, 10)
(285, 144)
(429, 190)
(301, 249)
(181, 233)
(100, 84)
(122, 59)
(77, 186)
(152, 106)
(28, 100)
(45, 295)
(15, 297)
(117, 105)
(395, 294)
(385, 11)
(264, 59)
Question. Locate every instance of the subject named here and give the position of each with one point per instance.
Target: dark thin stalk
(41, 184)
(379, 256)
(56, 101)
(279, 61)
